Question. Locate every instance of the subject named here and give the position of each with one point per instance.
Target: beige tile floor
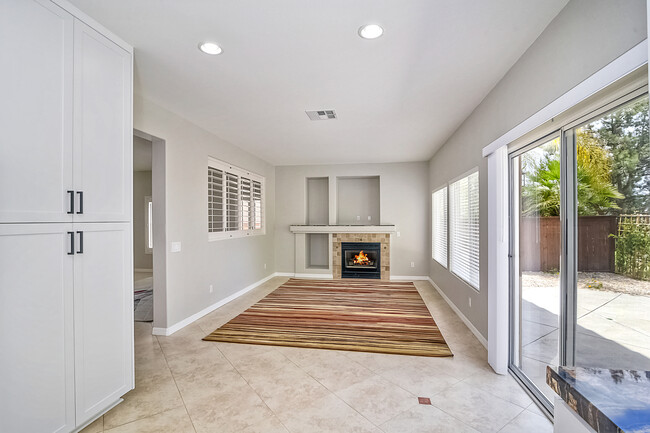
(184, 384)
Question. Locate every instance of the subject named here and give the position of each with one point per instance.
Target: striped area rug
(358, 315)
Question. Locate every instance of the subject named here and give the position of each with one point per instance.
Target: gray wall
(141, 189)
(358, 200)
(403, 193)
(318, 200)
(229, 265)
(584, 37)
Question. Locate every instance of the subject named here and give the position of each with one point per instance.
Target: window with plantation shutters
(232, 201)
(439, 226)
(215, 200)
(464, 229)
(235, 201)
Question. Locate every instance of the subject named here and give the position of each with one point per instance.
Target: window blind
(464, 229)
(235, 201)
(439, 226)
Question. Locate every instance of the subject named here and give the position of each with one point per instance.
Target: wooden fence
(539, 243)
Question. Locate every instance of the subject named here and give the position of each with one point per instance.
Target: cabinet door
(36, 47)
(103, 298)
(103, 135)
(36, 328)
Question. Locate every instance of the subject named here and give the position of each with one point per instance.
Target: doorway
(142, 230)
(150, 202)
(580, 246)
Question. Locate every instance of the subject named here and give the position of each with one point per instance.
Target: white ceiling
(398, 98)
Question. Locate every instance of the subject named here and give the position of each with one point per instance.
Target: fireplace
(361, 260)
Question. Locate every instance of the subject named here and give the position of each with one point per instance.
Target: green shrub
(632, 256)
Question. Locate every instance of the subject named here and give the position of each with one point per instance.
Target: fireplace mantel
(337, 233)
(384, 228)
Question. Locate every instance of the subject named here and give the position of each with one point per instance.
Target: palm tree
(597, 194)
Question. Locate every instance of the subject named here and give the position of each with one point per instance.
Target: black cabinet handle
(71, 252)
(81, 202)
(81, 242)
(71, 196)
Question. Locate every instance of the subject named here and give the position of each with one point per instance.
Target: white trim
(342, 229)
(284, 274)
(462, 317)
(235, 234)
(148, 225)
(409, 277)
(314, 276)
(623, 65)
(96, 417)
(498, 261)
(225, 168)
(194, 317)
(433, 231)
(142, 270)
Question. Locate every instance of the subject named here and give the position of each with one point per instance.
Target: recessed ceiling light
(210, 48)
(370, 31)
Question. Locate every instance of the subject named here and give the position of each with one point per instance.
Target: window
(235, 201)
(463, 229)
(148, 222)
(439, 226)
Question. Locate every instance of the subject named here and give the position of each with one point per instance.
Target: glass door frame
(514, 289)
(567, 322)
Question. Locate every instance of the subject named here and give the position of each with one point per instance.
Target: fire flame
(361, 259)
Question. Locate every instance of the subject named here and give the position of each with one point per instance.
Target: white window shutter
(235, 201)
(232, 202)
(215, 200)
(464, 229)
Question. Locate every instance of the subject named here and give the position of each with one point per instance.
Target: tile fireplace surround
(340, 233)
(382, 238)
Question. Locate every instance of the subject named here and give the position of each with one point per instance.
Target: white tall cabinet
(66, 291)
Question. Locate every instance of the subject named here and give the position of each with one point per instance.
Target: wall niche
(358, 200)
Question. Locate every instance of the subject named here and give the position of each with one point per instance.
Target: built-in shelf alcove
(358, 200)
(317, 248)
(318, 198)
(317, 213)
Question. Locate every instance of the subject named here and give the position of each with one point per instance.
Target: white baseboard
(465, 320)
(194, 317)
(93, 419)
(284, 274)
(408, 278)
(142, 270)
(315, 276)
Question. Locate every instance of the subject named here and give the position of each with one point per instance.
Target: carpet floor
(357, 315)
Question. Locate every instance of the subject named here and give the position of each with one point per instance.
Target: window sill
(235, 234)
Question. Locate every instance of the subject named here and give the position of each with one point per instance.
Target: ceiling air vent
(321, 114)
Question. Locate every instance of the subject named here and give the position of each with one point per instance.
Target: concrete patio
(613, 328)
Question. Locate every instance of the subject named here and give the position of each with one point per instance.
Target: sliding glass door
(613, 239)
(535, 273)
(580, 246)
